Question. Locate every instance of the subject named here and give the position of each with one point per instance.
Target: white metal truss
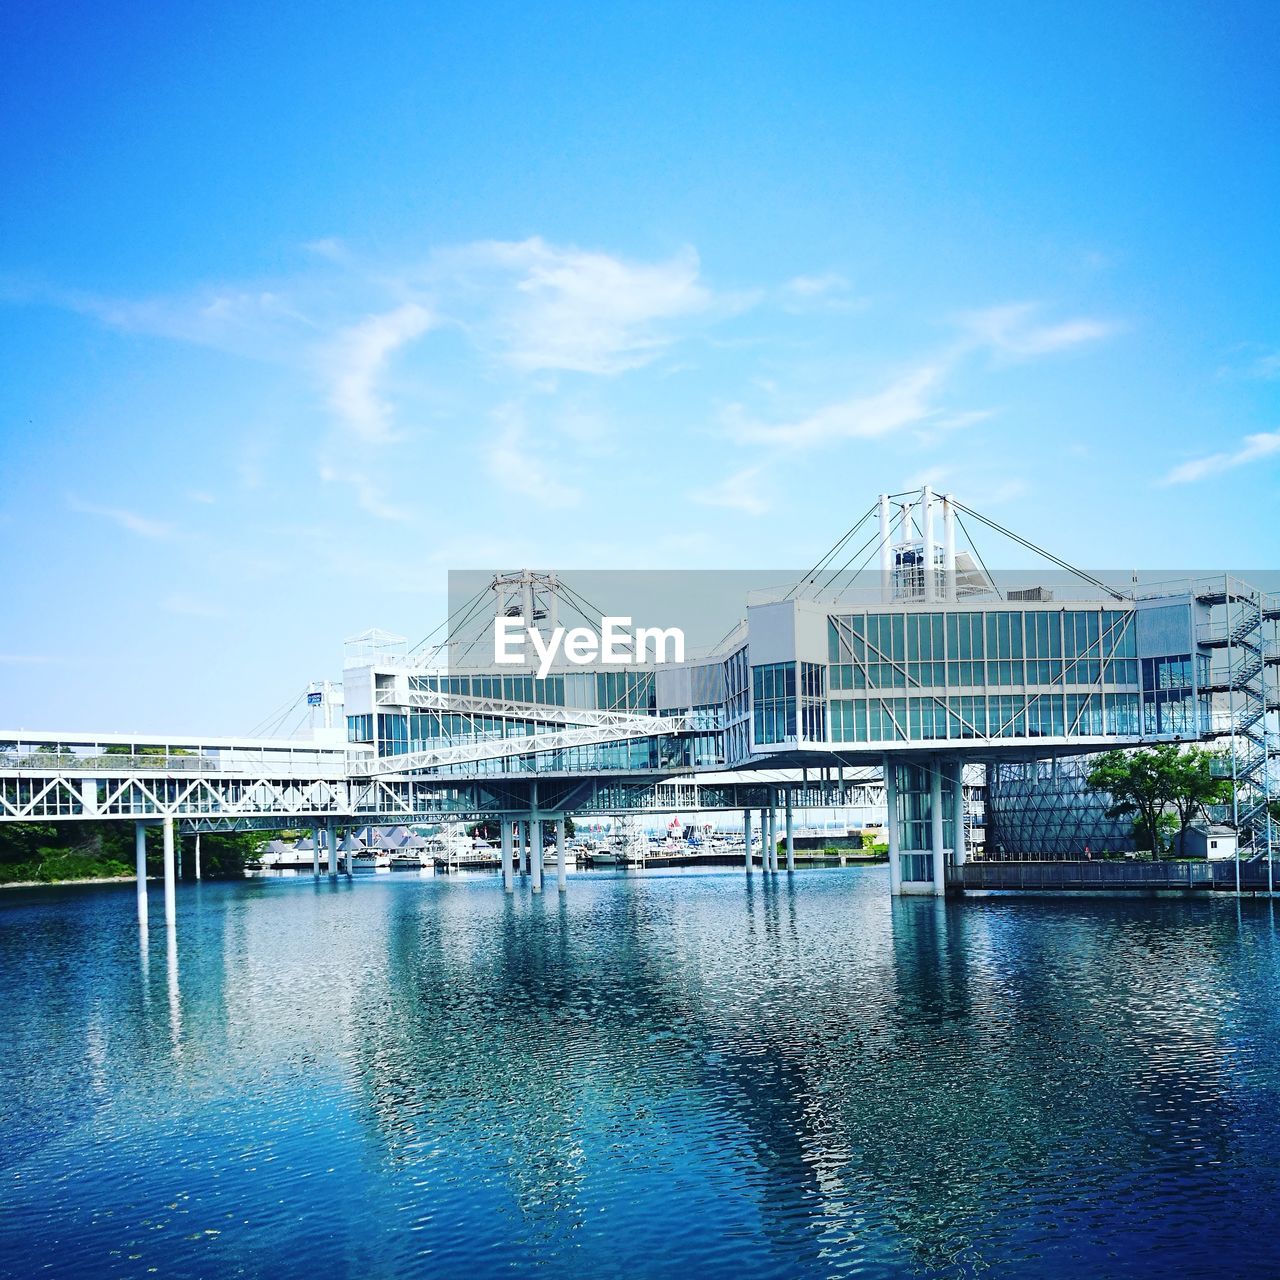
(611, 727)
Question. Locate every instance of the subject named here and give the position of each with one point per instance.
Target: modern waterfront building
(932, 669)
(829, 693)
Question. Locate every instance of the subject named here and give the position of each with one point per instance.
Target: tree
(1196, 786)
(1148, 784)
(1139, 784)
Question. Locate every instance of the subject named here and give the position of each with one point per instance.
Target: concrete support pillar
(791, 840)
(764, 838)
(140, 863)
(350, 852)
(170, 875)
(197, 855)
(935, 824)
(562, 874)
(746, 836)
(535, 854)
(333, 857)
(895, 847)
(961, 854)
(508, 874)
(315, 852)
(773, 831)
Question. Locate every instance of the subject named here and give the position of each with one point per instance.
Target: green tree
(1161, 788)
(1196, 786)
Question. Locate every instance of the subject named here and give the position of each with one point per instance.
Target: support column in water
(773, 831)
(891, 804)
(333, 856)
(961, 855)
(791, 839)
(315, 852)
(197, 855)
(535, 854)
(350, 851)
(562, 874)
(140, 863)
(508, 876)
(170, 875)
(746, 836)
(935, 828)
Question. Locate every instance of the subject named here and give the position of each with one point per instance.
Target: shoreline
(57, 884)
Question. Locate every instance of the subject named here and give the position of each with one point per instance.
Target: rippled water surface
(662, 1074)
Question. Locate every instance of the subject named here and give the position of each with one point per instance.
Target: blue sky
(302, 306)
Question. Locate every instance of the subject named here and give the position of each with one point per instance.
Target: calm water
(668, 1074)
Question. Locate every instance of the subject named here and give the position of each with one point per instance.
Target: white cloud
(143, 526)
(1263, 445)
(739, 491)
(191, 606)
(26, 659)
(358, 357)
(371, 497)
(520, 469)
(828, 292)
(903, 403)
(547, 307)
(1266, 367)
(1012, 330)
(815, 286)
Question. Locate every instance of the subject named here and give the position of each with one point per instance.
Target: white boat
(371, 859)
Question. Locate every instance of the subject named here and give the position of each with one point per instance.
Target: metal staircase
(1251, 697)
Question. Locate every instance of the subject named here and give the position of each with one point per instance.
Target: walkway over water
(1108, 877)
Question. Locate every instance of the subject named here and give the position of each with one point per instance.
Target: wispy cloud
(828, 292)
(191, 606)
(1263, 445)
(1266, 367)
(143, 526)
(1013, 330)
(26, 659)
(520, 468)
(545, 307)
(739, 491)
(904, 402)
(356, 360)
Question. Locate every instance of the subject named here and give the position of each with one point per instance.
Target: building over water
(932, 668)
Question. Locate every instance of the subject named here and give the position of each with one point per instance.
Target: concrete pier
(746, 836)
(508, 874)
(535, 854)
(895, 848)
(791, 839)
(562, 855)
(170, 875)
(935, 828)
(140, 864)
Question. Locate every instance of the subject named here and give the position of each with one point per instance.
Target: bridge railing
(48, 763)
(1083, 875)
